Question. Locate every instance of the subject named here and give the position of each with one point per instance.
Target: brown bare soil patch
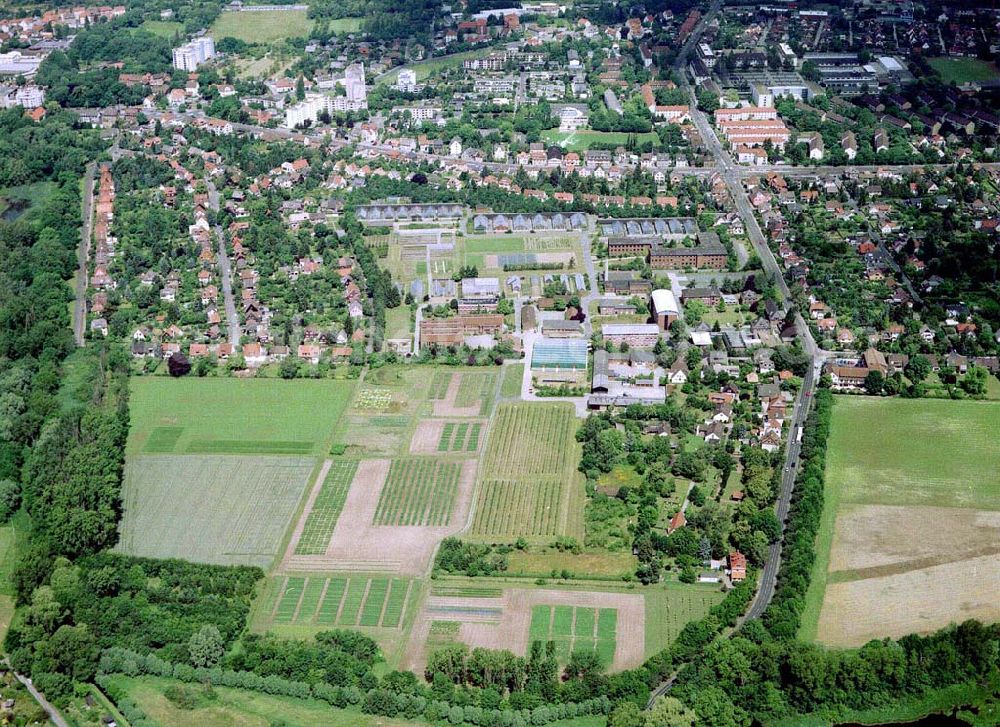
(917, 601)
(909, 537)
(358, 545)
(426, 437)
(503, 623)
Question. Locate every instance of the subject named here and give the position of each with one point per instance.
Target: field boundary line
(385, 601)
(364, 601)
(343, 600)
(406, 601)
(322, 597)
(281, 594)
(298, 603)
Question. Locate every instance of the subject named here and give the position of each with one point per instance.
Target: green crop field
(963, 70)
(500, 244)
(439, 385)
(916, 452)
(262, 27)
(227, 707)
(529, 482)
(234, 416)
(671, 605)
(322, 601)
(418, 492)
(476, 387)
(210, 509)
(892, 463)
(575, 628)
(326, 509)
(460, 437)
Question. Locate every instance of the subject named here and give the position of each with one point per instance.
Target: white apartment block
(190, 55)
(406, 81)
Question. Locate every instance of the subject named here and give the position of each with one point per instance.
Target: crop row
(322, 519)
(418, 492)
(342, 601)
(518, 508)
(529, 441)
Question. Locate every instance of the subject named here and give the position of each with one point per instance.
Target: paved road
(225, 272)
(83, 257)
(53, 713)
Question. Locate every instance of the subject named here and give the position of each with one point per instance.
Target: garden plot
(468, 394)
(529, 484)
(443, 436)
(418, 492)
(359, 544)
(324, 505)
(342, 601)
(612, 624)
(230, 510)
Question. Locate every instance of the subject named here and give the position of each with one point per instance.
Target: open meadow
(262, 27)
(964, 70)
(583, 140)
(911, 521)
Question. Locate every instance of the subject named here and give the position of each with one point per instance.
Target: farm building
(559, 361)
(626, 282)
(665, 309)
(708, 253)
(640, 335)
(528, 222)
(453, 331)
(379, 213)
(668, 228)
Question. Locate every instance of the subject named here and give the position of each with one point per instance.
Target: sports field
(583, 140)
(911, 523)
(230, 510)
(262, 27)
(234, 416)
(964, 70)
(529, 485)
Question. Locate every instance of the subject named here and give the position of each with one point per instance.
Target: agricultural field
(229, 510)
(326, 508)
(893, 466)
(418, 492)
(510, 386)
(262, 27)
(338, 601)
(964, 70)
(529, 486)
(575, 628)
(466, 394)
(497, 615)
(234, 416)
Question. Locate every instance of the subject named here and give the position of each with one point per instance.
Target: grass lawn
(903, 452)
(622, 475)
(236, 416)
(428, 66)
(345, 25)
(499, 244)
(510, 386)
(163, 28)
(16, 202)
(589, 564)
(262, 27)
(13, 535)
(963, 70)
(669, 606)
(397, 322)
(582, 140)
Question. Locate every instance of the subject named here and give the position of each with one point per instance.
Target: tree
(300, 89)
(918, 368)
(289, 368)
(10, 499)
(626, 714)
(206, 647)
(669, 712)
(874, 382)
(178, 365)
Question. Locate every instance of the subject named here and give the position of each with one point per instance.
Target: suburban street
(83, 256)
(225, 271)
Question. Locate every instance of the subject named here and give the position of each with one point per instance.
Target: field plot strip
(229, 510)
(325, 509)
(418, 492)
